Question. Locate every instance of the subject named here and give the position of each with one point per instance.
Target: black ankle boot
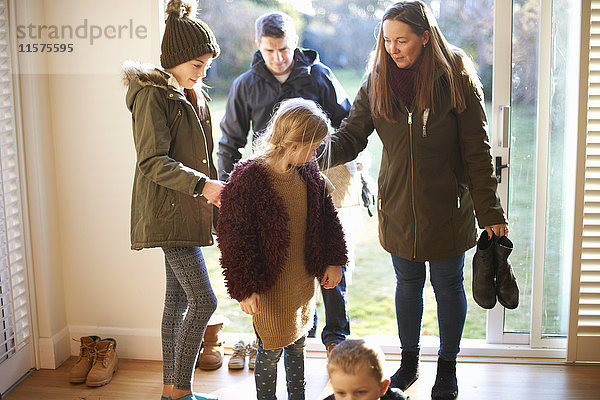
(506, 283)
(445, 387)
(484, 270)
(408, 372)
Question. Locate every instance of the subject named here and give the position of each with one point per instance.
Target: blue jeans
(447, 281)
(337, 323)
(265, 371)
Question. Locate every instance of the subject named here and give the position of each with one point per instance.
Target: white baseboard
(54, 350)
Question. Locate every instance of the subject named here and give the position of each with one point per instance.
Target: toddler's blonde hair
(352, 355)
(296, 121)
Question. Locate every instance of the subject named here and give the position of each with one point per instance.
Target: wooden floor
(490, 380)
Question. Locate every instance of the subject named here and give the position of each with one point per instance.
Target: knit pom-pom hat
(185, 37)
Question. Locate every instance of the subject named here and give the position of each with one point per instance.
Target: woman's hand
(250, 304)
(212, 191)
(498, 230)
(332, 276)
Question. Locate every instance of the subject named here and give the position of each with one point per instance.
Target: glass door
(531, 117)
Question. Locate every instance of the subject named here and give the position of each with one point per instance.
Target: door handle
(503, 140)
(499, 168)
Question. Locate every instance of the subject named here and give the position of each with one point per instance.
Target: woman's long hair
(438, 58)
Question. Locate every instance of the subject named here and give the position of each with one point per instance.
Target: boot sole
(406, 386)
(104, 382)
(210, 367)
(235, 367)
(77, 380)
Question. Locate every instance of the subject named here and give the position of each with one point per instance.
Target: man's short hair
(276, 24)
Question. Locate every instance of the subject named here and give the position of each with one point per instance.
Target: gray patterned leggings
(188, 289)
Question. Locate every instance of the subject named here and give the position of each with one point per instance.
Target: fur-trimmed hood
(144, 74)
(137, 76)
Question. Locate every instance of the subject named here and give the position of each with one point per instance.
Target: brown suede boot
(86, 358)
(105, 363)
(211, 356)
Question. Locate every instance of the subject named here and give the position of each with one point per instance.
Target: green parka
(435, 177)
(174, 158)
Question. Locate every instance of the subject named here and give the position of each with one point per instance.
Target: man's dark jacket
(255, 93)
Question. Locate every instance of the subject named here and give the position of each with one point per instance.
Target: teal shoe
(195, 396)
(203, 396)
(165, 398)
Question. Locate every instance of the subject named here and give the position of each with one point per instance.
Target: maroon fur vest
(253, 233)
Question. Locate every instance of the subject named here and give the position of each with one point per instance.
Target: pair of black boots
(493, 275)
(445, 386)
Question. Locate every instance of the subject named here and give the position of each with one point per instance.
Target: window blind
(588, 318)
(15, 325)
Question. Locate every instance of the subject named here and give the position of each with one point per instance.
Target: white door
(527, 55)
(534, 116)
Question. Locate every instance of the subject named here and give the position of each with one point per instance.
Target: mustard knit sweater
(287, 308)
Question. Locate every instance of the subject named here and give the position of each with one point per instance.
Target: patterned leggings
(188, 289)
(265, 371)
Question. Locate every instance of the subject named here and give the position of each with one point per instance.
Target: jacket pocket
(165, 203)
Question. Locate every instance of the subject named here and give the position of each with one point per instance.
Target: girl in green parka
(175, 186)
(425, 101)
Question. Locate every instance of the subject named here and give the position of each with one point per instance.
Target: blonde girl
(278, 231)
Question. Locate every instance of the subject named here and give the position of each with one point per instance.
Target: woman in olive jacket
(425, 102)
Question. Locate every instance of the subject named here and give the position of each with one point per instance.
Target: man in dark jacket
(281, 71)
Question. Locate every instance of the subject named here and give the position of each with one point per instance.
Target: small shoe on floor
(87, 348)
(105, 363)
(211, 357)
(165, 398)
(251, 350)
(238, 358)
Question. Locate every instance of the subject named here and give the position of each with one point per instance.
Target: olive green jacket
(435, 177)
(174, 158)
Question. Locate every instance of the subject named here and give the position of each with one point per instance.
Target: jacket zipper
(425, 118)
(412, 179)
(205, 145)
(176, 118)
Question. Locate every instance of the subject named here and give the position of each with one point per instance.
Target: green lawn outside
(371, 295)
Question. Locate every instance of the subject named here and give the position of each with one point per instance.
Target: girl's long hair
(296, 121)
(438, 58)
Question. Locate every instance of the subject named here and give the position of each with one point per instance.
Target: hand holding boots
(492, 273)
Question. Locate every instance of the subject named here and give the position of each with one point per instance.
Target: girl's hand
(498, 230)
(212, 191)
(332, 276)
(250, 304)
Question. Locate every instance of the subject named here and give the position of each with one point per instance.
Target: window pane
(563, 114)
(522, 169)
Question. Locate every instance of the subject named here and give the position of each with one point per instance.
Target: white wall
(80, 160)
